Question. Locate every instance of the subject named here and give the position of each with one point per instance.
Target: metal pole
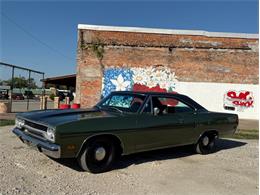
(19, 67)
(11, 91)
(43, 90)
(29, 88)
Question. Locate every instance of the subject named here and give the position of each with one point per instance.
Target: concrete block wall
(194, 56)
(213, 96)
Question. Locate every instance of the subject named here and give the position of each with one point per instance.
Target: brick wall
(193, 58)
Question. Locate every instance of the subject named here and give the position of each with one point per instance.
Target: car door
(173, 125)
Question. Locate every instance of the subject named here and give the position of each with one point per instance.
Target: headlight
(50, 134)
(19, 123)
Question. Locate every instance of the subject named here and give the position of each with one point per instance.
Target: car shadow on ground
(157, 155)
(173, 153)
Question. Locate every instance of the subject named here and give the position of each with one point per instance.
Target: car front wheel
(98, 156)
(206, 144)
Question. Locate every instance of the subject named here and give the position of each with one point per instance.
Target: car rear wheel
(98, 156)
(206, 144)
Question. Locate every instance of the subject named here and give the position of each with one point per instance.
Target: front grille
(36, 126)
(35, 129)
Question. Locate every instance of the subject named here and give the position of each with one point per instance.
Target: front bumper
(50, 149)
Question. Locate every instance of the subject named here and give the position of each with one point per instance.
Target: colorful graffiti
(239, 99)
(138, 79)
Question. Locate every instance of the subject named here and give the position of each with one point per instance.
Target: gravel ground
(233, 169)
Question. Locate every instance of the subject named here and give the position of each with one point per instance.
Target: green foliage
(20, 82)
(6, 122)
(96, 47)
(52, 96)
(246, 134)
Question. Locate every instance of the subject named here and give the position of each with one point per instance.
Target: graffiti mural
(138, 79)
(239, 99)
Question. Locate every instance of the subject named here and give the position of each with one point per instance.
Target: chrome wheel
(205, 140)
(206, 144)
(100, 153)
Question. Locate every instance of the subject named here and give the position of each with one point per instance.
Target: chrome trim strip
(50, 149)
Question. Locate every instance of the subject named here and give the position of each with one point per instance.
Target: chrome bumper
(50, 149)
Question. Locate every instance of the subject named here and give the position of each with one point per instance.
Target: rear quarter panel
(223, 123)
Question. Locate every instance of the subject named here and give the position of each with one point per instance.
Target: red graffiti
(246, 104)
(243, 99)
(241, 95)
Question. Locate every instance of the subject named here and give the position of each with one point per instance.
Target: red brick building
(193, 56)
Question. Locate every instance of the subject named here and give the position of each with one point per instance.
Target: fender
(99, 135)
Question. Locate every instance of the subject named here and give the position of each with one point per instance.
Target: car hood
(57, 117)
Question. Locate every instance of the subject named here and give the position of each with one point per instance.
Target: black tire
(206, 144)
(88, 157)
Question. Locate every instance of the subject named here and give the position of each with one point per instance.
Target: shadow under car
(156, 155)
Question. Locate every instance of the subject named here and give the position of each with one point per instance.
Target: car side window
(169, 105)
(181, 107)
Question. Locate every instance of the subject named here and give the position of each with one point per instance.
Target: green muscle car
(123, 123)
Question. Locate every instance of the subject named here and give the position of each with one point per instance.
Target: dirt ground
(233, 169)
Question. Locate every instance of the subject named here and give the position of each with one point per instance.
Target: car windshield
(122, 103)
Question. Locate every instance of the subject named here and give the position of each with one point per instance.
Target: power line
(34, 37)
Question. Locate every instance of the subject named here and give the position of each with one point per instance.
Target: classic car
(123, 123)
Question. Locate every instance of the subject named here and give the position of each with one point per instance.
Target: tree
(21, 82)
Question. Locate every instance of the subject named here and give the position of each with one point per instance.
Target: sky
(42, 35)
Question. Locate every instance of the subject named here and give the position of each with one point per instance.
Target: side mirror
(156, 111)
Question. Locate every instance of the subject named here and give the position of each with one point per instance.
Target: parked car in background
(29, 95)
(17, 96)
(124, 123)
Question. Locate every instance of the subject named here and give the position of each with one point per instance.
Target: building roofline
(59, 77)
(167, 31)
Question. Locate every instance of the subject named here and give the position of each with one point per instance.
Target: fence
(19, 95)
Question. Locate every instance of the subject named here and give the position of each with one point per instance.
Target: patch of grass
(246, 134)
(4, 122)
